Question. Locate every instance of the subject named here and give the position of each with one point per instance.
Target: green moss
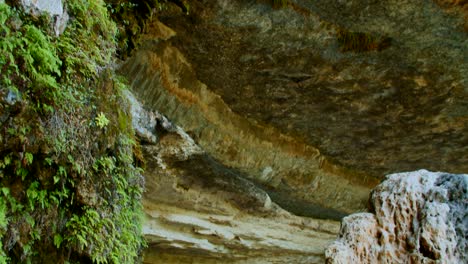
(3, 228)
(70, 188)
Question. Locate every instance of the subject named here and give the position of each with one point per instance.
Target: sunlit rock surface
(418, 217)
(199, 211)
(53, 7)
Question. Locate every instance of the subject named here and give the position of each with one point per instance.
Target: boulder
(417, 217)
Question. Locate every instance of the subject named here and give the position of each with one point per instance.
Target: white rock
(54, 8)
(144, 122)
(420, 217)
(199, 211)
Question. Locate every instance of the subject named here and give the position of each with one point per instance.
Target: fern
(101, 120)
(3, 226)
(43, 51)
(55, 77)
(5, 13)
(3, 219)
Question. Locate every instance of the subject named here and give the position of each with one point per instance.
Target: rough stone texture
(457, 7)
(144, 122)
(278, 112)
(271, 93)
(418, 217)
(397, 109)
(54, 8)
(295, 174)
(199, 211)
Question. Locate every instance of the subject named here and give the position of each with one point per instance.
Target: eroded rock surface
(295, 174)
(418, 217)
(397, 108)
(306, 107)
(200, 211)
(275, 94)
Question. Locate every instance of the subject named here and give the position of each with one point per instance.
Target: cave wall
(289, 115)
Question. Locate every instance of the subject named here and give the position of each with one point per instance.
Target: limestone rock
(54, 8)
(144, 122)
(296, 174)
(200, 211)
(418, 217)
(273, 115)
(274, 94)
(377, 112)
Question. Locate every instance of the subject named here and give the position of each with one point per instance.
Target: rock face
(418, 217)
(312, 72)
(315, 102)
(295, 174)
(54, 8)
(199, 211)
(299, 110)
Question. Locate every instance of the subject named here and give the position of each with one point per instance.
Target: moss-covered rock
(71, 191)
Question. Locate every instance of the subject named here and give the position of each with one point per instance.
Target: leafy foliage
(3, 227)
(101, 120)
(95, 29)
(69, 190)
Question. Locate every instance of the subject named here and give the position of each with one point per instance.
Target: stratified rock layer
(199, 211)
(302, 102)
(306, 106)
(295, 174)
(312, 71)
(419, 217)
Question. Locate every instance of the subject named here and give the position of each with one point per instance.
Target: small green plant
(101, 120)
(3, 227)
(50, 155)
(58, 240)
(28, 158)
